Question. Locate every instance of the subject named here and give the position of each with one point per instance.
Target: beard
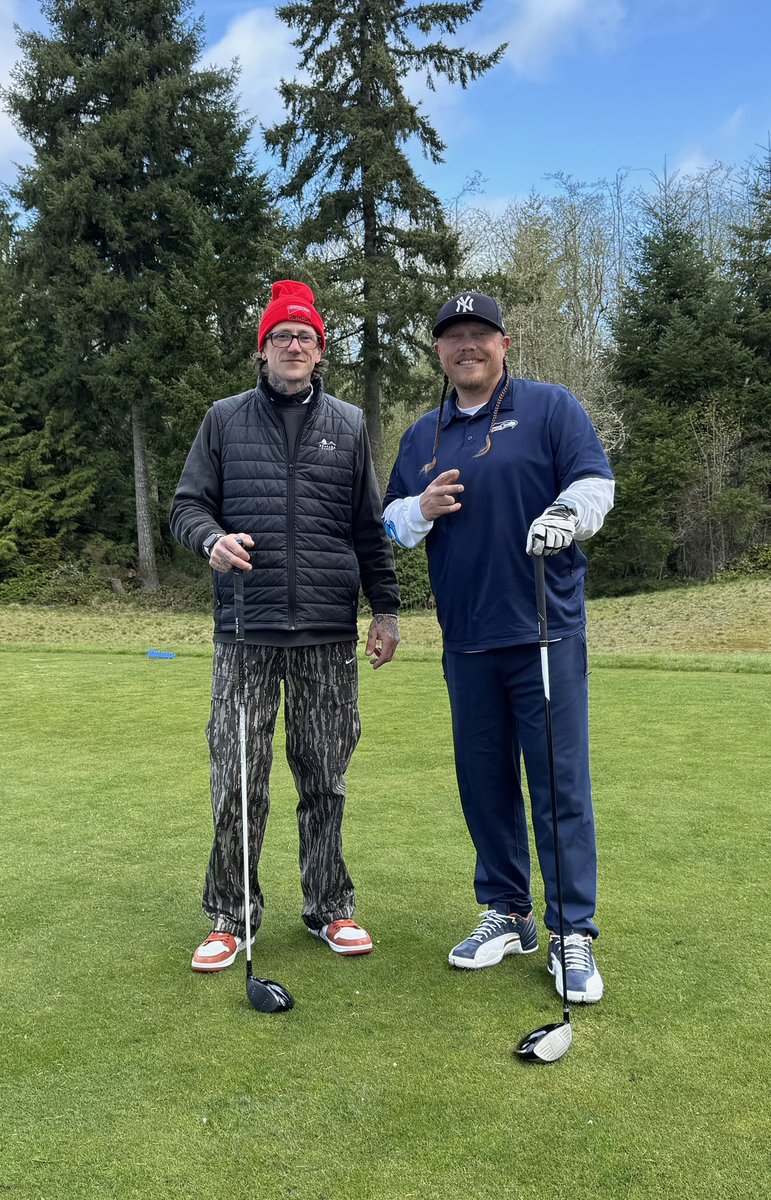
(481, 382)
(288, 387)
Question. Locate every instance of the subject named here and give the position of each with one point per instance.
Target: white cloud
(12, 148)
(260, 42)
(720, 143)
(540, 31)
(671, 18)
(496, 206)
(263, 46)
(733, 125)
(8, 14)
(692, 161)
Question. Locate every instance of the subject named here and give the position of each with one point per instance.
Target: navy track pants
(497, 703)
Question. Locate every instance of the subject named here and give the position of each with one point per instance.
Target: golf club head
(268, 996)
(547, 1044)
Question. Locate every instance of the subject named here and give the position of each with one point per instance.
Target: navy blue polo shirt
(481, 576)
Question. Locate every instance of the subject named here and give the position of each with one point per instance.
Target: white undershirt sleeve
(592, 498)
(405, 523)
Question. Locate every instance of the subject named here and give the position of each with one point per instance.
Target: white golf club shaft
(245, 830)
(238, 601)
(543, 637)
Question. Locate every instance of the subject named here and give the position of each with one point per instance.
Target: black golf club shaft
(543, 641)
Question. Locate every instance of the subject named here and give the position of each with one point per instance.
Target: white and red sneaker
(217, 952)
(344, 937)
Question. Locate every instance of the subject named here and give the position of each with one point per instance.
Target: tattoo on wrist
(388, 622)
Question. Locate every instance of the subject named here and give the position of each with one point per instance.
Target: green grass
(710, 619)
(123, 1074)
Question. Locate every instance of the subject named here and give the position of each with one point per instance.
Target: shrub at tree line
(141, 238)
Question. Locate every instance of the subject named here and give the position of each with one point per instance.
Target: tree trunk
(371, 356)
(370, 341)
(147, 569)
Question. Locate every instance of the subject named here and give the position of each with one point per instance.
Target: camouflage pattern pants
(322, 729)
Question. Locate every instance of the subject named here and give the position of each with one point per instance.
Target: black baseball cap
(469, 306)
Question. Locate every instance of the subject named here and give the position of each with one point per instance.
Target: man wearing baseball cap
(502, 470)
(280, 484)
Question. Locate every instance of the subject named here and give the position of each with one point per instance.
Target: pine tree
(680, 359)
(389, 255)
(149, 236)
(30, 491)
(751, 264)
(752, 273)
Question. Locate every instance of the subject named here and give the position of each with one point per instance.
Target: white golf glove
(553, 531)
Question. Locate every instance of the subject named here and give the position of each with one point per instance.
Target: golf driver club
(550, 1042)
(264, 994)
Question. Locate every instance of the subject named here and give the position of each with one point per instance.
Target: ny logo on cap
(464, 304)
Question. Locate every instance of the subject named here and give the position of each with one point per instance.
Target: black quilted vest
(305, 574)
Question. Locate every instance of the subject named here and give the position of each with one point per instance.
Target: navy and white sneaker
(583, 979)
(495, 936)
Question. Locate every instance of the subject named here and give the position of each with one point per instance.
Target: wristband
(211, 542)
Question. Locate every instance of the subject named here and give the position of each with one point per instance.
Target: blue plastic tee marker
(161, 654)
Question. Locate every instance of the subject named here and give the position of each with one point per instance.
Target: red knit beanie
(290, 301)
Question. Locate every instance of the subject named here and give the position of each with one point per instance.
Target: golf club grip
(543, 627)
(238, 602)
(540, 596)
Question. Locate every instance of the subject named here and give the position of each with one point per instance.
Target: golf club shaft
(238, 600)
(543, 641)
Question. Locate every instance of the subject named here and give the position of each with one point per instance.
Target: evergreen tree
(752, 272)
(149, 236)
(676, 329)
(680, 359)
(30, 491)
(389, 255)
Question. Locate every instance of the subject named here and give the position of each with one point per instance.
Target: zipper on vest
(291, 565)
(290, 506)
(290, 549)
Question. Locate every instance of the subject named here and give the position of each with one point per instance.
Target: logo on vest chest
(324, 445)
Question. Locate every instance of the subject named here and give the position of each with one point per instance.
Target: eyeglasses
(283, 339)
(478, 335)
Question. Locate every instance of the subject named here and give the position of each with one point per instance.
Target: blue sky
(587, 87)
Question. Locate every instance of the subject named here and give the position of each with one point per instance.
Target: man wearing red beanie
(279, 484)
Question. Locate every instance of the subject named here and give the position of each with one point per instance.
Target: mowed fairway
(125, 1075)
